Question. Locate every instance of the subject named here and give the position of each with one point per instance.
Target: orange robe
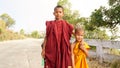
(80, 56)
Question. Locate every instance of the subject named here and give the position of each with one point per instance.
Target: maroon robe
(57, 50)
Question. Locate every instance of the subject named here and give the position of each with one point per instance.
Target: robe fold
(57, 50)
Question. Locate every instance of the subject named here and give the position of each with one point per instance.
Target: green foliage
(113, 2)
(97, 18)
(8, 20)
(2, 26)
(10, 35)
(114, 33)
(6, 34)
(92, 48)
(108, 18)
(115, 51)
(22, 32)
(1, 30)
(112, 16)
(35, 34)
(87, 24)
(93, 32)
(96, 34)
(90, 24)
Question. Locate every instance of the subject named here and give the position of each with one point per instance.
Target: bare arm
(72, 56)
(44, 43)
(84, 50)
(43, 47)
(73, 32)
(82, 47)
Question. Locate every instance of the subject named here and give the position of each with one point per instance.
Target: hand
(81, 42)
(43, 53)
(73, 66)
(82, 45)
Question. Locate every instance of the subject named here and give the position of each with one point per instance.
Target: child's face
(79, 35)
(58, 13)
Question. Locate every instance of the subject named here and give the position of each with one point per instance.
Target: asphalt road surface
(21, 54)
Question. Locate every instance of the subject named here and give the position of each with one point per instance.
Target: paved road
(21, 54)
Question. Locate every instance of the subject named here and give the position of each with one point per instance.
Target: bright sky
(32, 14)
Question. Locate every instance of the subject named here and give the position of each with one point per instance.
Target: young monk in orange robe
(56, 47)
(79, 49)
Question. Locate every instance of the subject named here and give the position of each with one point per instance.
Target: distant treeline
(7, 22)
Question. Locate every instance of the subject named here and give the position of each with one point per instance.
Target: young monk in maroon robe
(56, 46)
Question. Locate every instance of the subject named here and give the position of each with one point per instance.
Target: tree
(74, 17)
(22, 32)
(96, 34)
(35, 34)
(8, 20)
(107, 17)
(2, 26)
(112, 16)
(114, 33)
(97, 18)
(113, 2)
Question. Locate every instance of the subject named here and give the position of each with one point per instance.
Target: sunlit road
(21, 54)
